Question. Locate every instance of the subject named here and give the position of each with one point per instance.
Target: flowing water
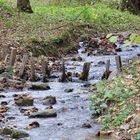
(72, 108)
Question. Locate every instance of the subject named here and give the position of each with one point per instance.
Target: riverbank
(117, 103)
(60, 27)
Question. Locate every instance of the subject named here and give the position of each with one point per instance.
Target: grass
(53, 20)
(115, 100)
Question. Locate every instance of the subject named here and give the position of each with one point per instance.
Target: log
(85, 73)
(24, 61)
(13, 56)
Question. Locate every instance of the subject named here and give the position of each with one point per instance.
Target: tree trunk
(131, 5)
(24, 6)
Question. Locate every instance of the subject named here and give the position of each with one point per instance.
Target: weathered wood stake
(85, 72)
(107, 71)
(45, 70)
(13, 56)
(118, 63)
(24, 61)
(63, 78)
(33, 77)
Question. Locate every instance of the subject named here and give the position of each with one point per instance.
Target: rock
(104, 133)
(118, 50)
(68, 90)
(4, 103)
(7, 131)
(77, 58)
(16, 134)
(2, 96)
(24, 100)
(19, 134)
(3, 109)
(101, 63)
(86, 125)
(34, 124)
(49, 100)
(40, 86)
(59, 124)
(44, 114)
(28, 111)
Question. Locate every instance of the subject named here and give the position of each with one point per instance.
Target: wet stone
(13, 133)
(49, 100)
(28, 111)
(68, 90)
(47, 113)
(2, 96)
(86, 125)
(39, 86)
(101, 63)
(34, 124)
(3, 109)
(24, 100)
(4, 103)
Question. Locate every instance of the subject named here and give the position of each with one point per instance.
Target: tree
(24, 6)
(131, 5)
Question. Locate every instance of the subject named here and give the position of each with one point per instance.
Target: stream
(73, 109)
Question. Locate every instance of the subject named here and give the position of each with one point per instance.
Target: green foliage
(132, 40)
(113, 99)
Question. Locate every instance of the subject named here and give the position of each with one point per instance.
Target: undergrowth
(115, 100)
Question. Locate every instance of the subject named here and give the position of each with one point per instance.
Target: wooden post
(24, 61)
(118, 63)
(85, 72)
(64, 76)
(32, 78)
(45, 70)
(107, 71)
(13, 56)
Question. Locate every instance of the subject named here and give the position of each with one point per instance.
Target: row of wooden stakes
(45, 71)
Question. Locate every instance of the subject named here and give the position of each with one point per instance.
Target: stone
(34, 124)
(68, 90)
(101, 63)
(2, 96)
(19, 134)
(49, 100)
(3, 109)
(47, 113)
(28, 111)
(24, 100)
(7, 131)
(39, 86)
(86, 125)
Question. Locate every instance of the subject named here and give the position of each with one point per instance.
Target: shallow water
(73, 108)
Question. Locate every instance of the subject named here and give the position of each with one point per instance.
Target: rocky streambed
(68, 115)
